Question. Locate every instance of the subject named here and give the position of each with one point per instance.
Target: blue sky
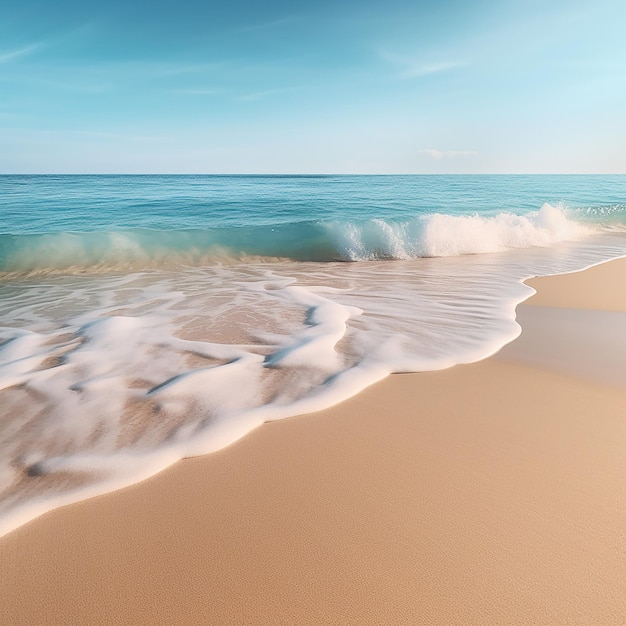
(293, 87)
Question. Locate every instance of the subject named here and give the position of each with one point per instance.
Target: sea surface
(144, 319)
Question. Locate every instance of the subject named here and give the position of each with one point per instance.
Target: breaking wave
(433, 235)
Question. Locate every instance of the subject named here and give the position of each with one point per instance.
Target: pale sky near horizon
(326, 87)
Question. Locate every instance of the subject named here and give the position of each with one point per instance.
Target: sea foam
(441, 235)
(108, 379)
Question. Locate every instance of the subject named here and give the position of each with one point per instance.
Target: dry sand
(489, 493)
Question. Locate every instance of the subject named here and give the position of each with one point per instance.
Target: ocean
(144, 319)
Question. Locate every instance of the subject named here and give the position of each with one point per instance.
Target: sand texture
(489, 493)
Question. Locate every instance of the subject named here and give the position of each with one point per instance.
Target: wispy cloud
(177, 69)
(6, 115)
(258, 95)
(200, 91)
(414, 68)
(448, 154)
(432, 68)
(79, 85)
(12, 55)
(98, 134)
(74, 134)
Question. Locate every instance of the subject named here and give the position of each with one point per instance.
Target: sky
(390, 87)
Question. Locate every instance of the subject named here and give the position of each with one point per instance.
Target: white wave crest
(440, 235)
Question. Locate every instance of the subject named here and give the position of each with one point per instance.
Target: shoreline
(488, 491)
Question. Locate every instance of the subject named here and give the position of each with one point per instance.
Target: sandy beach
(488, 493)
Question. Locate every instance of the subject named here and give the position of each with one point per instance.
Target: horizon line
(311, 174)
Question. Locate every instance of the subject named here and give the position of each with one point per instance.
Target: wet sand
(487, 493)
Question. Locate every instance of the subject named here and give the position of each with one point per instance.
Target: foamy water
(116, 361)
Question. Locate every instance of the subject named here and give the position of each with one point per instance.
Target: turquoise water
(61, 222)
(46, 204)
(144, 319)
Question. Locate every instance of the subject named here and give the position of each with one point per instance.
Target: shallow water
(114, 367)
